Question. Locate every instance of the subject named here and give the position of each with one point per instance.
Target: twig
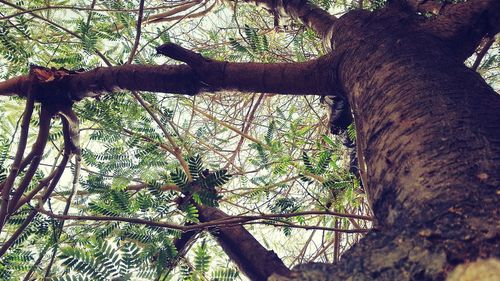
(17, 233)
(246, 126)
(176, 150)
(76, 8)
(312, 227)
(58, 231)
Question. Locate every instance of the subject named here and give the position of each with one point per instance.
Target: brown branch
(91, 11)
(246, 126)
(307, 78)
(176, 151)
(222, 221)
(137, 33)
(76, 8)
(37, 151)
(58, 228)
(32, 214)
(300, 256)
(8, 183)
(187, 16)
(230, 127)
(7, 244)
(42, 184)
(464, 25)
(303, 213)
(119, 219)
(163, 146)
(172, 12)
(483, 52)
(304, 11)
(312, 227)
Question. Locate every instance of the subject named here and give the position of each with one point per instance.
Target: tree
(427, 136)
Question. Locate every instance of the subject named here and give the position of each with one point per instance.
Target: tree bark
(428, 136)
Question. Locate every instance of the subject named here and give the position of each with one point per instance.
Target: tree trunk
(428, 136)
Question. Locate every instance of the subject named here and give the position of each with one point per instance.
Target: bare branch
(307, 78)
(14, 170)
(37, 151)
(137, 32)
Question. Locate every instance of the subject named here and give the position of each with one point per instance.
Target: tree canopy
(113, 186)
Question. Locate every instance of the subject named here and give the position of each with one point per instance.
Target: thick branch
(308, 78)
(311, 77)
(305, 11)
(464, 25)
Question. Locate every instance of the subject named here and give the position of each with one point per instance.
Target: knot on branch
(210, 72)
(179, 53)
(49, 85)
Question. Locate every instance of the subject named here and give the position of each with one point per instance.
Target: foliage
(244, 154)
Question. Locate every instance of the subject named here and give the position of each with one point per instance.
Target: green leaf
(195, 166)
(202, 258)
(179, 178)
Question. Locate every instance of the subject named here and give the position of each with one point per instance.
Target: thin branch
(76, 8)
(312, 227)
(7, 185)
(181, 8)
(37, 152)
(223, 222)
(176, 149)
(137, 33)
(42, 184)
(187, 16)
(17, 233)
(230, 127)
(92, 6)
(483, 52)
(58, 231)
(246, 126)
(59, 171)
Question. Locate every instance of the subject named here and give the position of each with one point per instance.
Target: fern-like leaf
(202, 258)
(307, 162)
(324, 161)
(179, 178)
(195, 166)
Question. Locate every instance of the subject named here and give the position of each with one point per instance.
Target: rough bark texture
(428, 135)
